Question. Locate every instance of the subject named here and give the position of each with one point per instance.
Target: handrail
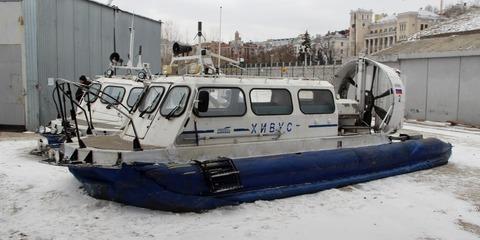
(100, 94)
(89, 123)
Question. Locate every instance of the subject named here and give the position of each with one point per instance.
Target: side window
(93, 91)
(113, 95)
(175, 102)
(316, 101)
(224, 102)
(271, 102)
(151, 99)
(134, 95)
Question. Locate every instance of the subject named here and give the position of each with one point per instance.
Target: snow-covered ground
(40, 201)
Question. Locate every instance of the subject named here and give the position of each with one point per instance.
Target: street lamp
(271, 64)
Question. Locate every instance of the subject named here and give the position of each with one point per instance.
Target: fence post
(313, 69)
(333, 70)
(323, 78)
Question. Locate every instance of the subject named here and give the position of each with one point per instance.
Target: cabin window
(93, 91)
(175, 102)
(151, 99)
(134, 96)
(316, 101)
(113, 95)
(271, 102)
(224, 102)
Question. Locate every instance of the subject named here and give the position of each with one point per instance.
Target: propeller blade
(386, 93)
(375, 72)
(380, 112)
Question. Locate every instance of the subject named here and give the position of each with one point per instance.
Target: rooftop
(453, 43)
(467, 22)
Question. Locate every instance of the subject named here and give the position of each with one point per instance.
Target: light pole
(220, 41)
(271, 64)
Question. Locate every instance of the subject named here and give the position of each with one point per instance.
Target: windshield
(93, 91)
(151, 100)
(134, 96)
(113, 94)
(175, 102)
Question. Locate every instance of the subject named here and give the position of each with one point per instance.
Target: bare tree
(170, 34)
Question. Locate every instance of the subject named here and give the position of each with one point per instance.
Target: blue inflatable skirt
(188, 188)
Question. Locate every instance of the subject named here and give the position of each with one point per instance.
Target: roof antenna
(132, 42)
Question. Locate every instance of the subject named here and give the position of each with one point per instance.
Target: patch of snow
(40, 201)
(427, 14)
(467, 22)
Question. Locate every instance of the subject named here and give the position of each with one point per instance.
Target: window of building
(271, 102)
(93, 91)
(134, 96)
(113, 95)
(426, 26)
(224, 102)
(151, 99)
(175, 102)
(341, 44)
(316, 101)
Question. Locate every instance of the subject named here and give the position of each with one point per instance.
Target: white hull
(110, 157)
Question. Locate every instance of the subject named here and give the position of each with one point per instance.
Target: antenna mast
(220, 41)
(200, 49)
(132, 42)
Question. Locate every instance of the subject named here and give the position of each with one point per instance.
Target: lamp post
(220, 41)
(271, 64)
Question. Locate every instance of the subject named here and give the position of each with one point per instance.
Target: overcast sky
(258, 20)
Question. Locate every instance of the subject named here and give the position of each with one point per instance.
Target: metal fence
(321, 72)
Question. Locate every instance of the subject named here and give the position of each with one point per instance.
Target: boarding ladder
(221, 175)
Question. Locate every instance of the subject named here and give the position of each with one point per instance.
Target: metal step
(221, 175)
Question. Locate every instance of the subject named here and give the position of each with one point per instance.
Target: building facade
(333, 47)
(370, 34)
(235, 49)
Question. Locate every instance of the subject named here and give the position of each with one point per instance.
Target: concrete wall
(443, 88)
(74, 38)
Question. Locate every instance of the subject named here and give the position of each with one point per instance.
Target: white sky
(261, 20)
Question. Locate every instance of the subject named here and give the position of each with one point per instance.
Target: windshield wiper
(176, 108)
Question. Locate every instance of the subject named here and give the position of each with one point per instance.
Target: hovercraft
(206, 140)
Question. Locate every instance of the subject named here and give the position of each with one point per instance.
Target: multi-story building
(370, 35)
(235, 49)
(334, 46)
(360, 21)
(279, 42)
